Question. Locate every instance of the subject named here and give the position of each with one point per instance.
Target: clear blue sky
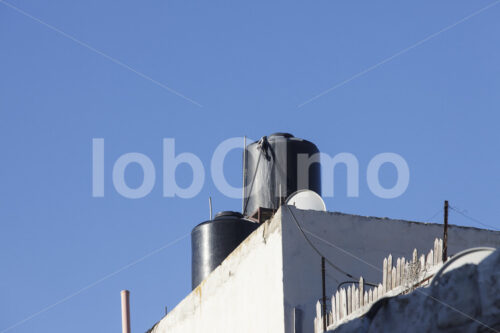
(249, 64)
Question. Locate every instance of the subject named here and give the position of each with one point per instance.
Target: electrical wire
(473, 219)
(331, 277)
(434, 215)
(315, 248)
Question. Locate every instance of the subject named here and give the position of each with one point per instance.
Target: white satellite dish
(307, 200)
(470, 256)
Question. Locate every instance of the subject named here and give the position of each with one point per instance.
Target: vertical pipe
(445, 234)
(210, 207)
(244, 174)
(294, 320)
(324, 292)
(125, 311)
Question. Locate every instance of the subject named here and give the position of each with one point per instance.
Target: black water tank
(273, 171)
(212, 241)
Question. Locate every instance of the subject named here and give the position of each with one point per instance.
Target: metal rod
(280, 202)
(324, 292)
(125, 294)
(244, 173)
(356, 282)
(445, 234)
(210, 206)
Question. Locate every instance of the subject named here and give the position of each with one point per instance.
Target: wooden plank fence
(399, 277)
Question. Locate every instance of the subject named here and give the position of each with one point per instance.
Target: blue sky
(249, 64)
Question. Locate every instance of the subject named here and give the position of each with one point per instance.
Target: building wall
(244, 294)
(358, 246)
(272, 281)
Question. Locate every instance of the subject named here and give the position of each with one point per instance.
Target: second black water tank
(212, 241)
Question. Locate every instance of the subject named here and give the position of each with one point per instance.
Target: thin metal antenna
(445, 233)
(244, 173)
(210, 206)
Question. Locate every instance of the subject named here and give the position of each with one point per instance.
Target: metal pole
(445, 235)
(244, 173)
(210, 206)
(280, 202)
(324, 292)
(125, 311)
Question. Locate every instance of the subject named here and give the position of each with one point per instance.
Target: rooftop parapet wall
(244, 294)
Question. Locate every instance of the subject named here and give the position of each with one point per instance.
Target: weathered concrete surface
(244, 294)
(466, 299)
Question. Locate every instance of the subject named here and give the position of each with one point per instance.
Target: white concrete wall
(362, 243)
(244, 294)
(272, 281)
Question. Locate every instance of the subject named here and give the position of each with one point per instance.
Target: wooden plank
(430, 258)
(337, 306)
(389, 272)
(403, 271)
(343, 306)
(353, 291)
(356, 299)
(398, 272)
(393, 278)
(384, 275)
(361, 292)
(349, 300)
(436, 244)
(440, 251)
(334, 320)
(318, 309)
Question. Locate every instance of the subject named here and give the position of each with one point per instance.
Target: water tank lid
(286, 135)
(228, 214)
